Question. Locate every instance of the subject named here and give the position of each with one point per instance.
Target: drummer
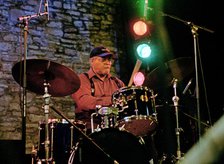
(97, 85)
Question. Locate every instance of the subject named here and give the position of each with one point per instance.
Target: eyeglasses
(110, 59)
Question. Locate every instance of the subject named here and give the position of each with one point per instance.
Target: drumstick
(136, 69)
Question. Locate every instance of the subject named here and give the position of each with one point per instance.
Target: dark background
(209, 54)
(208, 106)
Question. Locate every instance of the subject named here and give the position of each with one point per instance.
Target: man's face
(101, 66)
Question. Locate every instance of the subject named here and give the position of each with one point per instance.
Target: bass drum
(120, 146)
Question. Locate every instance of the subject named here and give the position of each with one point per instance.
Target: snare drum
(62, 137)
(136, 109)
(118, 145)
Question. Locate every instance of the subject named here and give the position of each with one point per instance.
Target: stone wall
(73, 29)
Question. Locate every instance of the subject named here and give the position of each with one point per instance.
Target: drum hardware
(22, 80)
(47, 146)
(121, 101)
(135, 102)
(166, 159)
(46, 112)
(153, 104)
(43, 77)
(81, 125)
(72, 155)
(108, 116)
(71, 139)
(52, 128)
(175, 100)
(92, 122)
(93, 115)
(195, 119)
(86, 138)
(122, 127)
(62, 139)
(137, 115)
(33, 154)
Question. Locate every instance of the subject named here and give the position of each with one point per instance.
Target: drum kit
(118, 138)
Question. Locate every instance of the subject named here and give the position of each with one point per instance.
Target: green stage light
(143, 50)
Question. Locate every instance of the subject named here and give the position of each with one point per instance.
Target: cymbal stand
(178, 130)
(46, 113)
(24, 24)
(153, 103)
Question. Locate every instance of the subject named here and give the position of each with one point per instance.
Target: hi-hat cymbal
(62, 80)
(163, 75)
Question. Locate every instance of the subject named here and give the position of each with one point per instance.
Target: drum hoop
(125, 89)
(137, 117)
(56, 120)
(106, 111)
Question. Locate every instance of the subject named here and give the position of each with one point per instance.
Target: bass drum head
(118, 145)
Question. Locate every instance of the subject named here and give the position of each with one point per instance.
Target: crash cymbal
(163, 75)
(62, 80)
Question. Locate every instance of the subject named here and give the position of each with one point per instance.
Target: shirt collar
(91, 74)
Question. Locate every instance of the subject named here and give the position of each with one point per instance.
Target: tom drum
(136, 109)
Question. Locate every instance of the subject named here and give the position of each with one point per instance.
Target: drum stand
(153, 103)
(178, 130)
(46, 113)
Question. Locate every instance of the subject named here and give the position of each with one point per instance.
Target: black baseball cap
(102, 52)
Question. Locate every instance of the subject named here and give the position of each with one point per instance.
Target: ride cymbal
(163, 75)
(62, 80)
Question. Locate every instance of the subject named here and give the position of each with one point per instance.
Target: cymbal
(163, 75)
(62, 80)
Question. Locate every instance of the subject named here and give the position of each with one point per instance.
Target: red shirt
(102, 95)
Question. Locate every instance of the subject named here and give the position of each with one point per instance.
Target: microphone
(187, 86)
(46, 8)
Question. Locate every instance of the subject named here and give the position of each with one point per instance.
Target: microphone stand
(24, 25)
(194, 29)
(24, 87)
(195, 37)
